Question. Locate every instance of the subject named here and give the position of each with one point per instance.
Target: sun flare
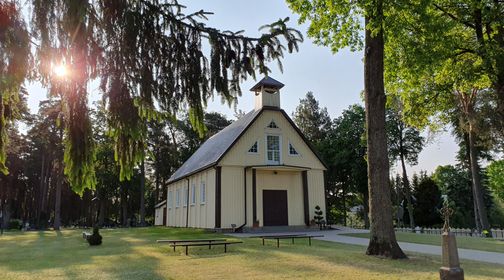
(60, 70)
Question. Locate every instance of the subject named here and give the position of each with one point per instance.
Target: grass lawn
(484, 244)
(133, 254)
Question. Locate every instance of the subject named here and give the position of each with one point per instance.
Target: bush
(95, 238)
(15, 224)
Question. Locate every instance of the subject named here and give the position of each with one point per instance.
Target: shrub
(15, 224)
(318, 216)
(95, 238)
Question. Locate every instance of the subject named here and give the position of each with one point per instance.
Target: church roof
(213, 150)
(215, 147)
(267, 82)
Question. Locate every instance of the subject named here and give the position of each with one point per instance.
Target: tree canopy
(149, 58)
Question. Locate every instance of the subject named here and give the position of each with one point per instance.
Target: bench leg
(186, 249)
(293, 240)
(309, 241)
(225, 248)
(278, 242)
(174, 247)
(209, 245)
(263, 241)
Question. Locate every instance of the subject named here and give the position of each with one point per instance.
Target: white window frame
(193, 194)
(202, 193)
(270, 162)
(289, 151)
(254, 153)
(185, 196)
(170, 199)
(177, 198)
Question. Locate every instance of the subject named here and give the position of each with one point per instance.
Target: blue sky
(336, 80)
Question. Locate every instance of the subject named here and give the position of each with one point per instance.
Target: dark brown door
(275, 208)
(165, 217)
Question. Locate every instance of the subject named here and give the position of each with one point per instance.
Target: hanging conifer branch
(150, 60)
(14, 67)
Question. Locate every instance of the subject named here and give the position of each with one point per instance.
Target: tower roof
(267, 82)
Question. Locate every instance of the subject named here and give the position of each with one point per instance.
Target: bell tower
(267, 93)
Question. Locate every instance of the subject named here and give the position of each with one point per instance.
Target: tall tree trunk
(57, 207)
(124, 205)
(366, 210)
(142, 192)
(382, 241)
(156, 200)
(101, 214)
(343, 203)
(40, 191)
(476, 180)
(407, 192)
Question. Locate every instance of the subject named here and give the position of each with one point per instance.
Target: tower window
(273, 149)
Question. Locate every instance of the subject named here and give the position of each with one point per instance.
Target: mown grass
(133, 254)
(465, 242)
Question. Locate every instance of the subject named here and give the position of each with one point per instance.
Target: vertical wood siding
(283, 180)
(239, 156)
(233, 208)
(201, 215)
(316, 191)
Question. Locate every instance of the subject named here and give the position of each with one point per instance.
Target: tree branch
(452, 16)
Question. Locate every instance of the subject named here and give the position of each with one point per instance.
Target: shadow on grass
(134, 254)
(66, 252)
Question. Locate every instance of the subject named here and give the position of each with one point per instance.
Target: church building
(259, 171)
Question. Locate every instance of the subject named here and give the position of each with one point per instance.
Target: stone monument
(451, 269)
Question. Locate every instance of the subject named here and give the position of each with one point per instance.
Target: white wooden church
(259, 171)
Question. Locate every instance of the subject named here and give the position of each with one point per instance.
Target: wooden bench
(206, 241)
(193, 244)
(289, 236)
(86, 235)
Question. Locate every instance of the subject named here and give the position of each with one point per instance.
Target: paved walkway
(336, 236)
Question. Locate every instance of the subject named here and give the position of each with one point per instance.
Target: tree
(312, 120)
(428, 202)
(14, 68)
(150, 60)
(439, 65)
(345, 150)
(495, 173)
(455, 183)
(338, 25)
(404, 143)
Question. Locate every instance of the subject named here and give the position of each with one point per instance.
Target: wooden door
(275, 208)
(165, 217)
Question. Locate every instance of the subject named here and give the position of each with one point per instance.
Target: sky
(336, 80)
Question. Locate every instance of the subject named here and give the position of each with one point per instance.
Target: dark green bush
(95, 238)
(15, 224)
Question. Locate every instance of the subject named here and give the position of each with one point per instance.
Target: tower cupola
(267, 93)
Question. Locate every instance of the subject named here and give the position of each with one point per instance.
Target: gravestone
(451, 269)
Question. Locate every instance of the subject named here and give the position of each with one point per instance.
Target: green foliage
(150, 61)
(404, 141)
(318, 215)
(333, 24)
(428, 202)
(15, 224)
(495, 173)
(95, 238)
(312, 120)
(455, 183)
(14, 68)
